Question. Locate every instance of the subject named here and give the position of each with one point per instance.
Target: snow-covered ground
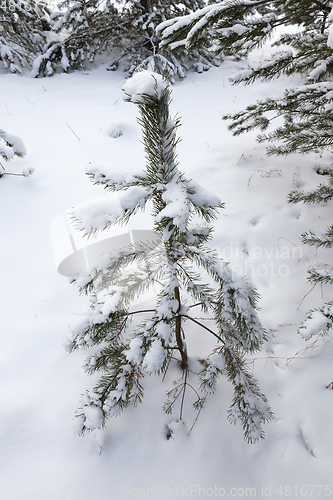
(66, 123)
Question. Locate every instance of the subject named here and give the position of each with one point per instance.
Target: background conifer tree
(239, 26)
(126, 32)
(182, 213)
(23, 27)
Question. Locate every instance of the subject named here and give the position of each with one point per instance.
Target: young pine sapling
(182, 212)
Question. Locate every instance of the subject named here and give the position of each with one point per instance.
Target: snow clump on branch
(144, 83)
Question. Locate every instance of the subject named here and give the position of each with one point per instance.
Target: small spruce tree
(182, 213)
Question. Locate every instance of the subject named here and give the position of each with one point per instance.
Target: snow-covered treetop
(144, 83)
(175, 198)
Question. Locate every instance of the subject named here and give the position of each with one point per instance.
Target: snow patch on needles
(11, 145)
(94, 417)
(144, 83)
(95, 214)
(134, 353)
(314, 324)
(132, 197)
(177, 208)
(203, 197)
(154, 359)
(110, 299)
(105, 171)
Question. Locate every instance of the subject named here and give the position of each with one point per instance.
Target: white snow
(144, 82)
(97, 213)
(330, 30)
(14, 145)
(218, 361)
(5, 51)
(153, 360)
(258, 233)
(320, 68)
(314, 325)
(28, 171)
(107, 170)
(134, 353)
(94, 416)
(177, 208)
(163, 331)
(6, 151)
(110, 299)
(133, 196)
(203, 197)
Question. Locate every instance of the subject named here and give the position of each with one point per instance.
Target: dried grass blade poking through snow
(124, 353)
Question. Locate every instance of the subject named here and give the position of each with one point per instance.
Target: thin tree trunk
(180, 344)
(146, 5)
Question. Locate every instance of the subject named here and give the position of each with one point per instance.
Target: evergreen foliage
(22, 32)
(239, 26)
(182, 213)
(318, 320)
(127, 31)
(12, 146)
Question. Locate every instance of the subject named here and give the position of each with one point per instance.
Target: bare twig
(11, 173)
(203, 326)
(294, 244)
(196, 418)
(183, 397)
(73, 132)
(139, 312)
(299, 305)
